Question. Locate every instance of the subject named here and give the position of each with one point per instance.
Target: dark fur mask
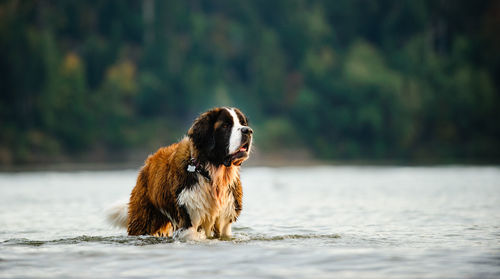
(211, 133)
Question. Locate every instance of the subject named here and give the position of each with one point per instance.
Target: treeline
(412, 81)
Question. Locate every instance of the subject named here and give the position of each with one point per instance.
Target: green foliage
(413, 81)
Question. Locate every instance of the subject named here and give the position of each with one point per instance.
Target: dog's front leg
(222, 228)
(208, 227)
(226, 231)
(192, 222)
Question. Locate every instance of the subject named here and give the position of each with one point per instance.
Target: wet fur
(167, 198)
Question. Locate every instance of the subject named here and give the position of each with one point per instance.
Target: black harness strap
(195, 166)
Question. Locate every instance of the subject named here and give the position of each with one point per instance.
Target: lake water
(313, 222)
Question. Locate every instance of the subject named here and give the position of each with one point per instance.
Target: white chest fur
(209, 206)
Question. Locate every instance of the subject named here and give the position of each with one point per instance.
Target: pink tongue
(243, 149)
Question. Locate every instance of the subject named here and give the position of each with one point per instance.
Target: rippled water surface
(314, 222)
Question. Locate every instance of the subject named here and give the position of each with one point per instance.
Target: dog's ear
(202, 131)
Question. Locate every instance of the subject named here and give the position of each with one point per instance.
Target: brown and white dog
(194, 184)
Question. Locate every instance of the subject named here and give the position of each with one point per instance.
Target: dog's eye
(225, 126)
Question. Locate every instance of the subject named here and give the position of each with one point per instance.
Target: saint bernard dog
(193, 185)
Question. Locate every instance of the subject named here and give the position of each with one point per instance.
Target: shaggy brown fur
(153, 202)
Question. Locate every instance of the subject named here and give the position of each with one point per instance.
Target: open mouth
(239, 156)
(244, 147)
(242, 151)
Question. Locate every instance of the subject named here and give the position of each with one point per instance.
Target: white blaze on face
(235, 137)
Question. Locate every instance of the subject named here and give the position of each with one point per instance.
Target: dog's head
(222, 136)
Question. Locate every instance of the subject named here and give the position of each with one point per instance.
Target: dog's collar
(195, 166)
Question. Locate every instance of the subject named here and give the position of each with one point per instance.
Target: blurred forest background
(346, 80)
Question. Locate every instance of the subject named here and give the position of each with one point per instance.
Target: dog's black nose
(246, 130)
